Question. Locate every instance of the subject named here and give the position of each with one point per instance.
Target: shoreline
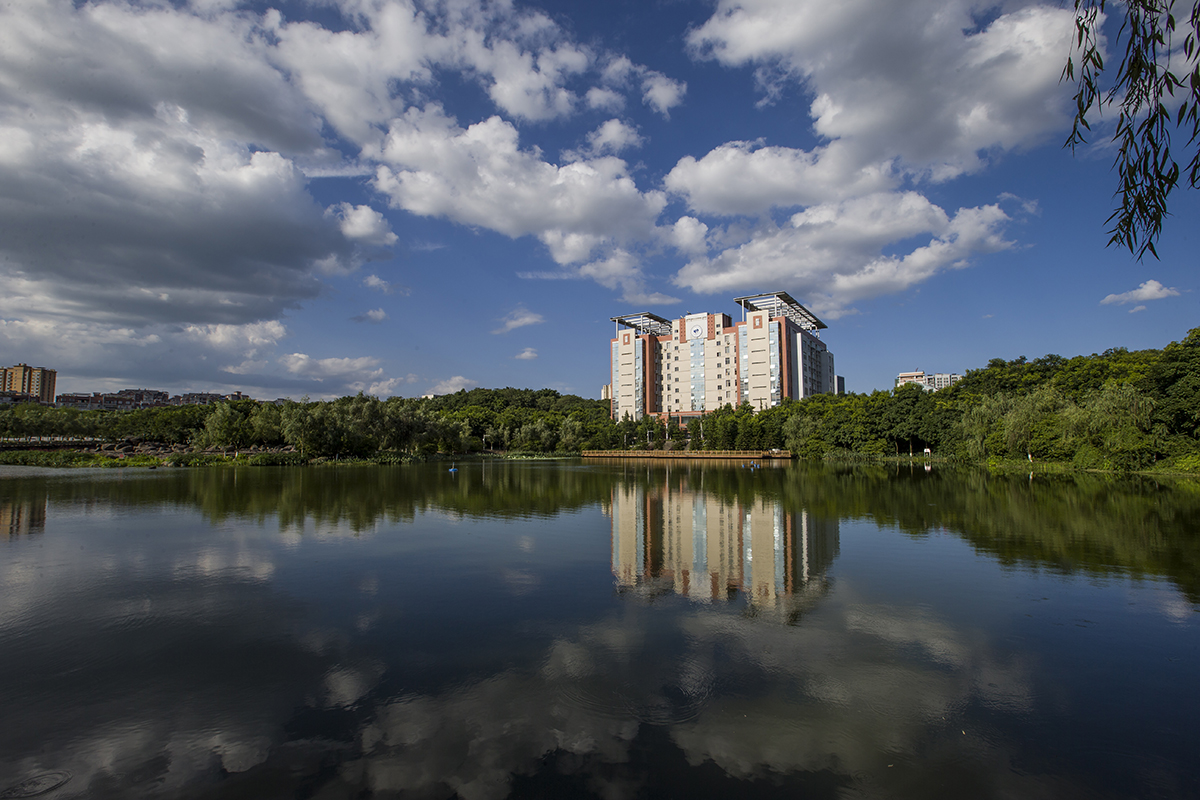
(75, 459)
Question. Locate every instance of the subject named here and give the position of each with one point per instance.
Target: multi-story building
(37, 382)
(938, 380)
(700, 362)
(124, 400)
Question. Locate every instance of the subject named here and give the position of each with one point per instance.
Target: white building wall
(758, 387)
(628, 382)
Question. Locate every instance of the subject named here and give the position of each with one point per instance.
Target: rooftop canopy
(644, 322)
(782, 304)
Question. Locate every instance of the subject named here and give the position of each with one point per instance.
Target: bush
(1188, 463)
(277, 460)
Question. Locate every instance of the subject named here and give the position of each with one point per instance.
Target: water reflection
(560, 631)
(23, 512)
(667, 536)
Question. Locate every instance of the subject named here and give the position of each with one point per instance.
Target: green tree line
(1119, 409)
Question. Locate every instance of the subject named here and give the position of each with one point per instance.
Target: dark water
(612, 631)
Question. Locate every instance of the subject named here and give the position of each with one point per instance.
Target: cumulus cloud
(834, 253)
(747, 178)
(376, 282)
(919, 82)
(363, 224)
(452, 385)
(481, 176)
(374, 315)
(621, 269)
(322, 369)
(613, 137)
(156, 158)
(519, 318)
(1150, 290)
(662, 93)
(900, 94)
(528, 354)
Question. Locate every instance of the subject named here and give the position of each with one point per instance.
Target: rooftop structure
(644, 323)
(781, 304)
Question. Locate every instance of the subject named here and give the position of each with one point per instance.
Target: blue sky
(403, 197)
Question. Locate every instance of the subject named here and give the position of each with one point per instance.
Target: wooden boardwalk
(687, 454)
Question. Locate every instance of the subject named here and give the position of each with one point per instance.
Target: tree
(1144, 84)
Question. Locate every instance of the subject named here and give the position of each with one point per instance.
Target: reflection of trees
(1103, 525)
(1099, 524)
(358, 496)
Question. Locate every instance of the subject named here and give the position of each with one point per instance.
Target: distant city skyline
(404, 198)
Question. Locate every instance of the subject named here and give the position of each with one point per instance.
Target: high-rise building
(700, 362)
(37, 382)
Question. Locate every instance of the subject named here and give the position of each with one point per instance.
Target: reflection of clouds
(852, 692)
(519, 581)
(346, 685)
(914, 629)
(215, 561)
(473, 740)
(1176, 608)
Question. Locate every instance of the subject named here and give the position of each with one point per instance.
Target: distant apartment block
(35, 382)
(700, 362)
(131, 399)
(938, 380)
(124, 400)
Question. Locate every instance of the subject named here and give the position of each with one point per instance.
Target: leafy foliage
(1118, 410)
(1143, 90)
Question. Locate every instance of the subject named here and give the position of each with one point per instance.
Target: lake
(603, 630)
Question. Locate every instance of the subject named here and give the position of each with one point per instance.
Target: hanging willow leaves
(1155, 91)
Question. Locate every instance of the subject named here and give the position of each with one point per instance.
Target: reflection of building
(22, 516)
(938, 380)
(701, 362)
(706, 547)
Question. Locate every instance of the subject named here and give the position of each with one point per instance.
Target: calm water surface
(613, 631)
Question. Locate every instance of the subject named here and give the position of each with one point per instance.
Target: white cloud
(662, 93)
(613, 137)
(383, 388)
(834, 254)
(745, 178)
(621, 269)
(1150, 290)
(452, 385)
(374, 315)
(247, 367)
(900, 94)
(519, 318)
(528, 354)
(480, 176)
(605, 99)
(363, 224)
(322, 369)
(915, 81)
(376, 282)
(248, 338)
(1136, 309)
(688, 235)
